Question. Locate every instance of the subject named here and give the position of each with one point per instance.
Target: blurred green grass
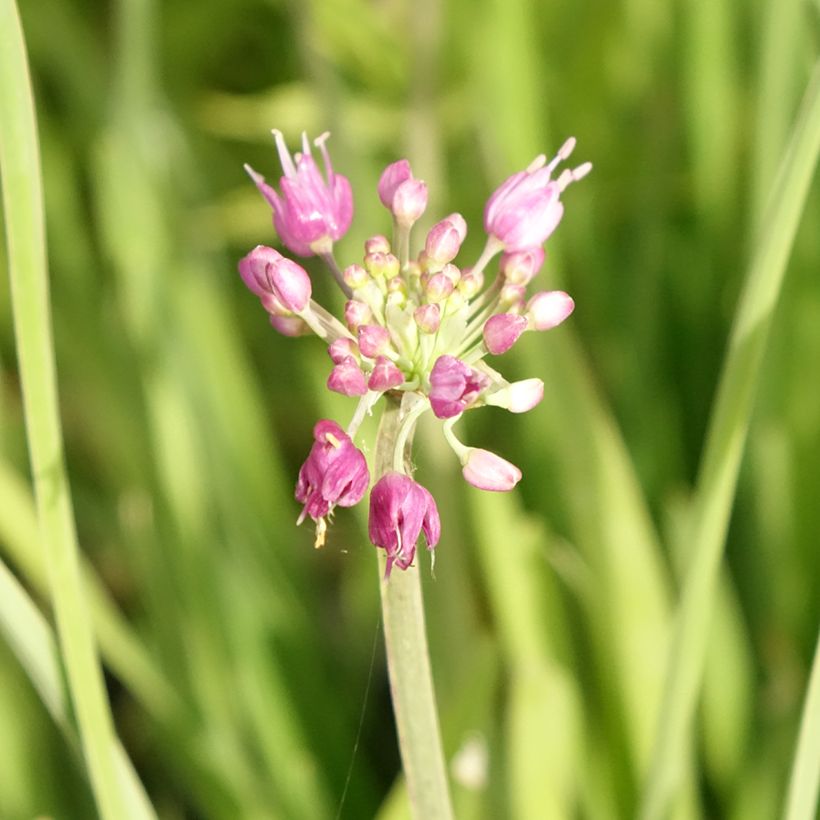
(186, 417)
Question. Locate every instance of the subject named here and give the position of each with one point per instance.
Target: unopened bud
(548, 309)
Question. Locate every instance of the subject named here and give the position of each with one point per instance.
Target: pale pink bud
(400, 510)
(548, 309)
(391, 178)
(385, 375)
(347, 378)
(409, 201)
(357, 313)
(452, 273)
(373, 340)
(355, 276)
(518, 397)
(377, 244)
(443, 243)
(439, 286)
(290, 325)
(340, 349)
(470, 283)
(428, 318)
(458, 222)
(520, 267)
(487, 471)
(501, 332)
(512, 296)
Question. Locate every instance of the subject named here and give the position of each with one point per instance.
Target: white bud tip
(539, 162)
(567, 148)
(257, 178)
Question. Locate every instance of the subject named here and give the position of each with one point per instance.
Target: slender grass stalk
(804, 783)
(723, 451)
(408, 664)
(32, 641)
(22, 192)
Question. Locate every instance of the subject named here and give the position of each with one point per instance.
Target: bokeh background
(239, 659)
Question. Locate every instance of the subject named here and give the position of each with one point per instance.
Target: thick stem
(408, 663)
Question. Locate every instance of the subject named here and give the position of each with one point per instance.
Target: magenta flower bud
(334, 473)
(428, 318)
(291, 284)
(520, 267)
(443, 243)
(342, 348)
(377, 244)
(439, 286)
(548, 309)
(454, 386)
(290, 325)
(357, 313)
(393, 176)
(281, 284)
(373, 340)
(487, 471)
(347, 378)
(355, 276)
(501, 332)
(400, 510)
(409, 201)
(254, 268)
(311, 213)
(385, 375)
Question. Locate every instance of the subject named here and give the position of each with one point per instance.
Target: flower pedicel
(419, 327)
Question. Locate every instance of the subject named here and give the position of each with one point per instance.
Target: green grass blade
(804, 783)
(22, 192)
(724, 449)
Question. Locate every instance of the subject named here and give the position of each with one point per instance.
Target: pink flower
(400, 510)
(454, 386)
(501, 332)
(311, 213)
(487, 471)
(334, 473)
(525, 209)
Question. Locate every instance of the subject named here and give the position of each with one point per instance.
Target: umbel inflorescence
(418, 328)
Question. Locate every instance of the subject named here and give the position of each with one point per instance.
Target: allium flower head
(312, 212)
(417, 325)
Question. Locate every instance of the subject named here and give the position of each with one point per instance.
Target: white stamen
(321, 532)
(537, 163)
(333, 440)
(581, 171)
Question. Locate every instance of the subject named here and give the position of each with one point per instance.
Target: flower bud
(290, 325)
(518, 397)
(355, 276)
(439, 286)
(501, 332)
(548, 309)
(377, 244)
(409, 202)
(512, 297)
(342, 348)
(454, 386)
(385, 375)
(393, 176)
(488, 471)
(347, 378)
(357, 313)
(428, 318)
(373, 340)
(470, 283)
(520, 267)
(269, 274)
(442, 244)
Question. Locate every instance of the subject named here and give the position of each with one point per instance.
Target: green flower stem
(22, 196)
(408, 663)
(804, 783)
(722, 455)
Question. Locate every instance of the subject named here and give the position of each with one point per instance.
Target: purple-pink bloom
(311, 213)
(334, 473)
(501, 332)
(400, 510)
(347, 378)
(487, 471)
(454, 386)
(385, 375)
